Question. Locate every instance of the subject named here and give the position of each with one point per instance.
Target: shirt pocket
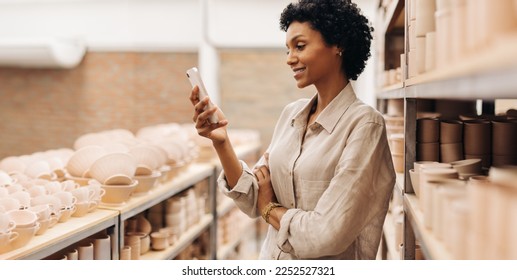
(311, 192)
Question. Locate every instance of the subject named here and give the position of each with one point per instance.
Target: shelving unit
(224, 251)
(196, 172)
(389, 238)
(225, 207)
(487, 75)
(112, 217)
(395, 91)
(65, 234)
(432, 247)
(183, 242)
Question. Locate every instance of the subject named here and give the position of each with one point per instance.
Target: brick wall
(49, 109)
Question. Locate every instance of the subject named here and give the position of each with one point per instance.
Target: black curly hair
(341, 23)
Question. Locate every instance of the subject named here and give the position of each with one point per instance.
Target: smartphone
(195, 79)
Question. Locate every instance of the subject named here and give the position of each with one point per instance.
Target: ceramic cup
(83, 194)
(428, 130)
(6, 223)
(451, 152)
(125, 253)
(6, 238)
(504, 137)
(84, 208)
(428, 151)
(159, 240)
(73, 255)
(102, 248)
(477, 137)
(451, 131)
(9, 203)
(86, 251)
(23, 197)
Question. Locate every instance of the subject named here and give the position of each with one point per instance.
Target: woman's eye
(300, 47)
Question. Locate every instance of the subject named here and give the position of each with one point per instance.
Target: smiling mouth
(298, 71)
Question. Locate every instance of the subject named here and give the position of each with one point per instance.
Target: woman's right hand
(215, 132)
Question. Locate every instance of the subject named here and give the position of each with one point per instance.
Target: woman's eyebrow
(294, 38)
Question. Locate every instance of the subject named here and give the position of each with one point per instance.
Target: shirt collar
(330, 116)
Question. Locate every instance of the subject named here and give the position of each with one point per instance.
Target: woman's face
(310, 58)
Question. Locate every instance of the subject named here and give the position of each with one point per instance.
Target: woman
(325, 180)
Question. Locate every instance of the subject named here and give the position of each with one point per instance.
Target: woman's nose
(291, 59)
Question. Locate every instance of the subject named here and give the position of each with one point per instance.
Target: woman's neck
(328, 91)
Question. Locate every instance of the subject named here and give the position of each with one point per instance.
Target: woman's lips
(298, 72)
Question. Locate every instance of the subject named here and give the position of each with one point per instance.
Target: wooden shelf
(395, 91)
(399, 183)
(136, 204)
(392, 14)
(390, 238)
(226, 249)
(489, 74)
(183, 242)
(64, 234)
(431, 247)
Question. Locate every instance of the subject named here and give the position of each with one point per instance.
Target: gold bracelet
(267, 210)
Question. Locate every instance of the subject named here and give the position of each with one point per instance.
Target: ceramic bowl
(82, 160)
(38, 169)
(12, 165)
(118, 179)
(467, 166)
(113, 164)
(118, 194)
(90, 139)
(486, 159)
(6, 179)
(81, 181)
(147, 159)
(146, 183)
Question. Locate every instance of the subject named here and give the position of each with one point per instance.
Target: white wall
(155, 25)
(163, 25)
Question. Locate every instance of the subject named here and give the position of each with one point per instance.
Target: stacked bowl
(115, 171)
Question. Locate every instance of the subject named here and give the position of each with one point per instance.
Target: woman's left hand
(266, 194)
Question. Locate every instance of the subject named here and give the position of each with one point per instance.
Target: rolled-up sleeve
(244, 193)
(358, 192)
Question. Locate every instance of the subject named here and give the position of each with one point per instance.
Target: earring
(340, 53)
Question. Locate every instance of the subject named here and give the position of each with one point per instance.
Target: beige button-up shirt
(335, 177)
